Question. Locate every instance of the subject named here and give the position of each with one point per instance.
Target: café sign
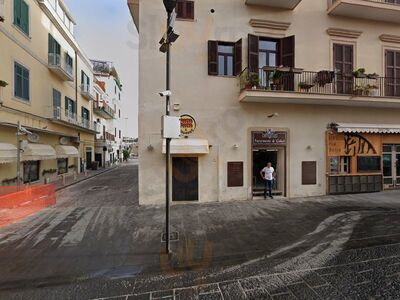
(188, 124)
(269, 138)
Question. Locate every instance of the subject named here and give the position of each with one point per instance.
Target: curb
(86, 178)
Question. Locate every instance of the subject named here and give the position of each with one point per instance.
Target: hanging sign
(188, 124)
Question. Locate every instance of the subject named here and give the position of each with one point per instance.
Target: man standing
(268, 174)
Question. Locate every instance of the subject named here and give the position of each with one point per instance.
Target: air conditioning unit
(2, 13)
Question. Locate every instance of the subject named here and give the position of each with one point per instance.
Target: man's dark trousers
(268, 188)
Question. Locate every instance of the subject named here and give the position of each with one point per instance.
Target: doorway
(88, 158)
(391, 166)
(185, 179)
(276, 156)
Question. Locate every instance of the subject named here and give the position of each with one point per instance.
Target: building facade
(47, 86)
(107, 109)
(311, 86)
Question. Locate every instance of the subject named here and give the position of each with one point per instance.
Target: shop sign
(353, 144)
(269, 138)
(188, 124)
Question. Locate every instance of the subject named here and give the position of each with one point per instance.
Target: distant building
(131, 144)
(107, 110)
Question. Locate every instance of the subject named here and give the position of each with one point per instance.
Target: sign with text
(268, 138)
(188, 124)
(353, 144)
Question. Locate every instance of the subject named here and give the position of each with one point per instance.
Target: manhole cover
(98, 188)
(173, 237)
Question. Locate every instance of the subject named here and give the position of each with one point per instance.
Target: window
(69, 62)
(85, 113)
(85, 81)
(31, 171)
(115, 90)
(340, 165)
(343, 61)
(62, 165)
(70, 107)
(21, 15)
(54, 51)
(369, 164)
(119, 134)
(185, 10)
(392, 85)
(56, 98)
(119, 96)
(345, 164)
(115, 131)
(224, 58)
(21, 82)
(119, 113)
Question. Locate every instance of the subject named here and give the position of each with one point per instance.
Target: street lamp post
(169, 7)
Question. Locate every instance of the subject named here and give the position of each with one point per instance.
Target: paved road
(97, 242)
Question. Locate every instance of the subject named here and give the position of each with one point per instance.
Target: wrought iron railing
(322, 82)
(105, 107)
(55, 60)
(66, 115)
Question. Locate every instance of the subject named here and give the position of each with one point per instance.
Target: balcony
(295, 86)
(59, 67)
(285, 4)
(103, 110)
(70, 119)
(377, 10)
(86, 92)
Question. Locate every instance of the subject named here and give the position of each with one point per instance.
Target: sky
(105, 31)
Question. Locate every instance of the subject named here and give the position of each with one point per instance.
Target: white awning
(368, 128)
(8, 153)
(38, 152)
(66, 151)
(188, 146)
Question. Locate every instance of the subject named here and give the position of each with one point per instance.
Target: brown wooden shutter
(212, 58)
(287, 51)
(190, 10)
(180, 9)
(253, 53)
(309, 172)
(238, 57)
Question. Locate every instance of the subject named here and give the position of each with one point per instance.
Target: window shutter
(212, 58)
(66, 103)
(25, 17)
(238, 57)
(51, 44)
(190, 10)
(17, 12)
(287, 51)
(253, 53)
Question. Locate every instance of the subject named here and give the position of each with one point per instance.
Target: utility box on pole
(171, 127)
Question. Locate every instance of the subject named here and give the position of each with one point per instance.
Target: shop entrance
(185, 179)
(261, 157)
(391, 166)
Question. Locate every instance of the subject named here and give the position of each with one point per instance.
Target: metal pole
(168, 142)
(18, 155)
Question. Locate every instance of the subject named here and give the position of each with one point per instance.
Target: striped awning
(188, 146)
(66, 151)
(8, 153)
(367, 128)
(38, 152)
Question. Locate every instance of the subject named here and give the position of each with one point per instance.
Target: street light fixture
(169, 37)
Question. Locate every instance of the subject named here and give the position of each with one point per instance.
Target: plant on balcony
(304, 86)
(372, 90)
(250, 80)
(49, 171)
(359, 90)
(3, 83)
(373, 76)
(8, 181)
(324, 77)
(277, 77)
(359, 73)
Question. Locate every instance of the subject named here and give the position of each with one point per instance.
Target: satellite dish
(33, 137)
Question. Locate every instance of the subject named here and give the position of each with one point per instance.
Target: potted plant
(304, 86)
(358, 90)
(277, 76)
(359, 73)
(324, 77)
(372, 90)
(250, 80)
(373, 76)
(3, 83)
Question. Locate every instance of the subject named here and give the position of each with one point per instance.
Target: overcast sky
(105, 31)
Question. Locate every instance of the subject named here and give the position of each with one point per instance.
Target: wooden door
(185, 179)
(392, 80)
(343, 61)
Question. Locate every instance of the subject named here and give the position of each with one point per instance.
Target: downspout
(76, 114)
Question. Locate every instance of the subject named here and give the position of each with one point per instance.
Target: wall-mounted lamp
(235, 146)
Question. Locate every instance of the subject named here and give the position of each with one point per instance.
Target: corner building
(312, 86)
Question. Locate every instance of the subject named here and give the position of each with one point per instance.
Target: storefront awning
(66, 151)
(188, 146)
(8, 153)
(367, 128)
(38, 152)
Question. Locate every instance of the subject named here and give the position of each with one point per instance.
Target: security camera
(165, 93)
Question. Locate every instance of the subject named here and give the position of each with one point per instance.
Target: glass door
(391, 166)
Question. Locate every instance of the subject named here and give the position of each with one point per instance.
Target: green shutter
(21, 82)
(51, 44)
(25, 17)
(17, 12)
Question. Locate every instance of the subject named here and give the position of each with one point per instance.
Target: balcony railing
(394, 2)
(60, 67)
(322, 82)
(104, 110)
(86, 91)
(73, 119)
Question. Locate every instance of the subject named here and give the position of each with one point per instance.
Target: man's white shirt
(268, 173)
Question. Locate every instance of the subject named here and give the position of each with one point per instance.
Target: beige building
(48, 88)
(311, 86)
